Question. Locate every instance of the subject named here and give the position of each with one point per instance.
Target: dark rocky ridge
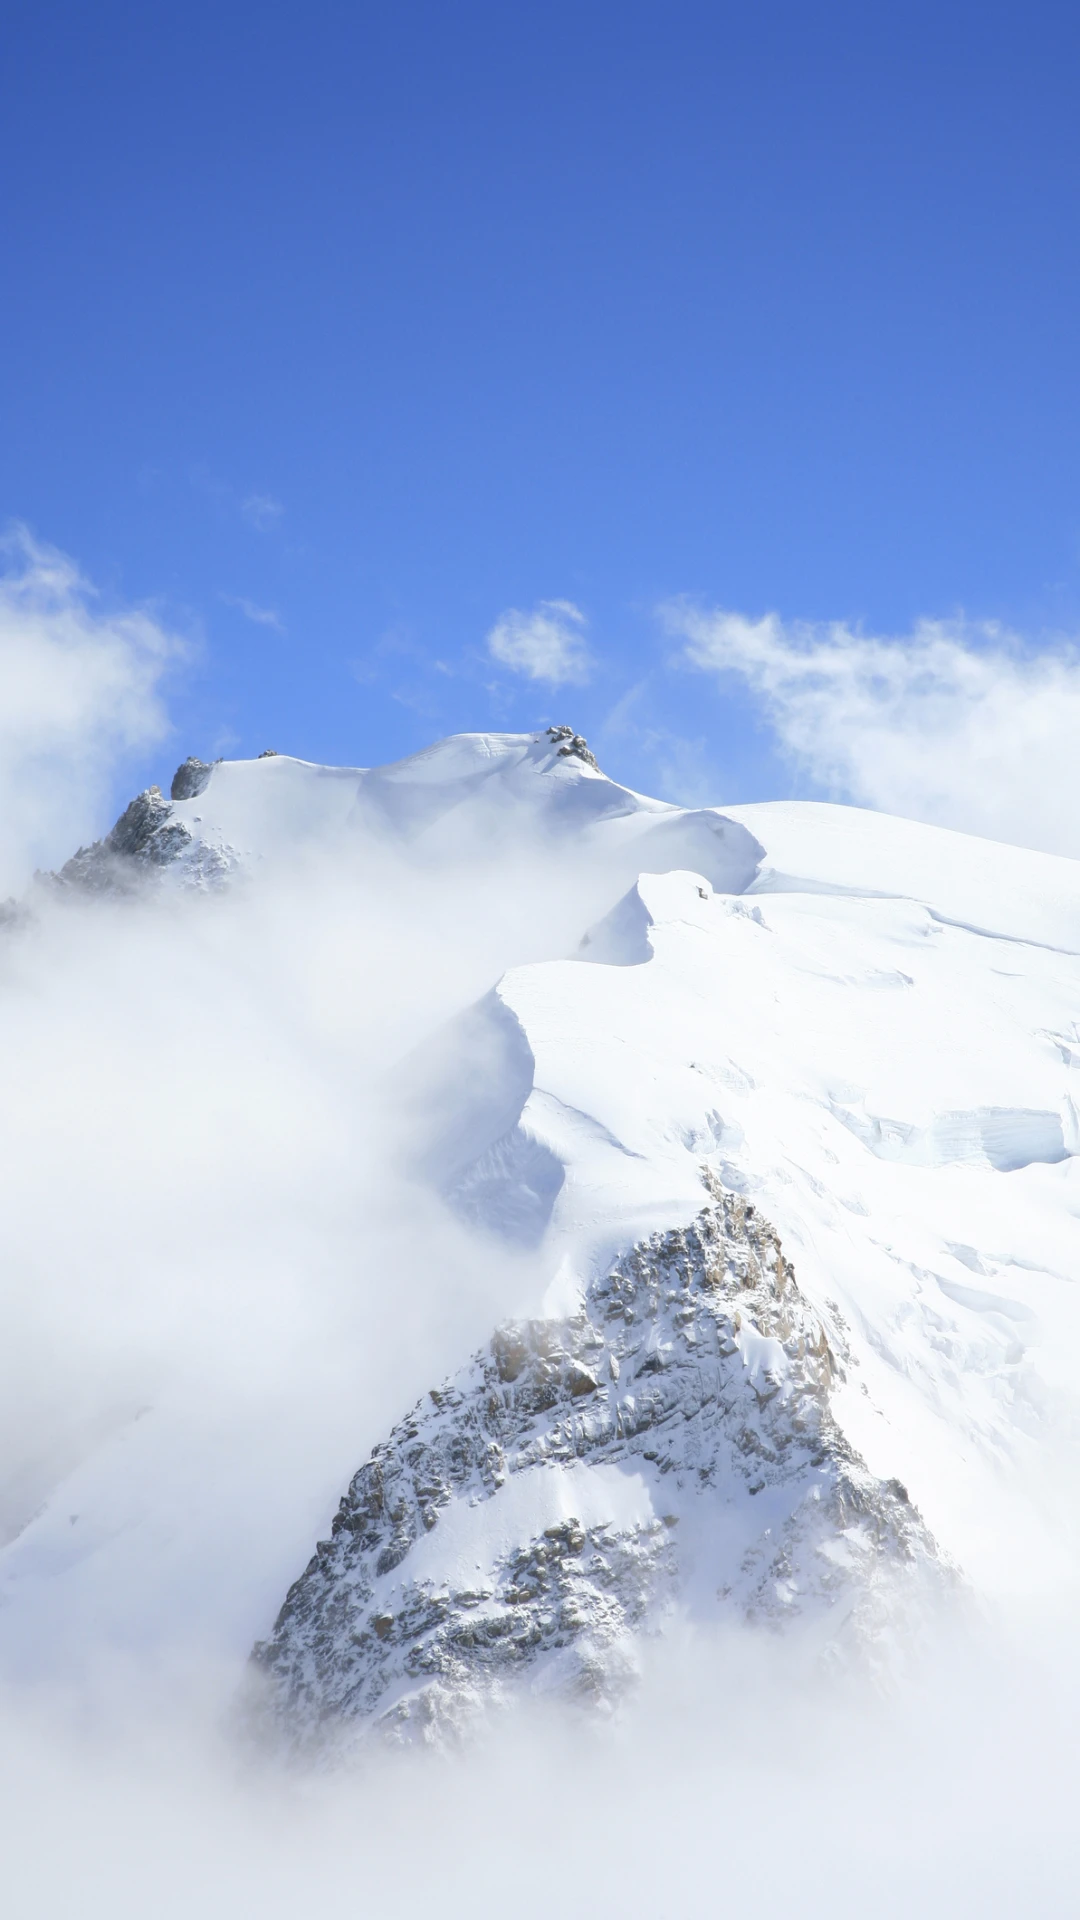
(146, 840)
(573, 746)
(191, 778)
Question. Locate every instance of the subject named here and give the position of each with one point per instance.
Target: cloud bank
(80, 690)
(956, 723)
(547, 644)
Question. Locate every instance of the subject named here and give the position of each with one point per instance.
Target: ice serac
(670, 1441)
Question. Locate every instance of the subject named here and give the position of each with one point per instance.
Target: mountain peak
(863, 1029)
(571, 744)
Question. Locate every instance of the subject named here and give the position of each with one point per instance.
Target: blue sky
(336, 331)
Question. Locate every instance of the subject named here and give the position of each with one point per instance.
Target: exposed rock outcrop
(571, 744)
(191, 778)
(146, 840)
(551, 1502)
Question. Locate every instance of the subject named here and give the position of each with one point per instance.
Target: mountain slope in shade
(866, 1031)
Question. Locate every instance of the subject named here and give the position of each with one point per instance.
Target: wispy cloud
(958, 722)
(261, 511)
(547, 644)
(672, 766)
(262, 616)
(79, 690)
(406, 672)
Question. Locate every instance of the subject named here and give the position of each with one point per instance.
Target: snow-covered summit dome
(788, 1125)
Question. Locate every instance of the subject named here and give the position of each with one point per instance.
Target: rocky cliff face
(146, 840)
(670, 1444)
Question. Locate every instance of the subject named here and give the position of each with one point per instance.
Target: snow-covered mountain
(791, 1133)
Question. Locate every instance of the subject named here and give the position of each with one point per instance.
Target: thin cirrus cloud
(547, 644)
(958, 723)
(261, 511)
(261, 616)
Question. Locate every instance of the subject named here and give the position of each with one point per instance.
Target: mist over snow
(729, 1780)
(539, 963)
(80, 695)
(214, 1224)
(703, 1180)
(961, 723)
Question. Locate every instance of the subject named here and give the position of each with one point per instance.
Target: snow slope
(896, 1092)
(469, 794)
(867, 1029)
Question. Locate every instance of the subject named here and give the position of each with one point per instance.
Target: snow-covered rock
(148, 842)
(669, 1442)
(868, 1032)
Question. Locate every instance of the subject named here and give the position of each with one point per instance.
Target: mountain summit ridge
(863, 1028)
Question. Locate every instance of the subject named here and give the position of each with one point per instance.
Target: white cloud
(79, 690)
(957, 723)
(673, 767)
(262, 616)
(261, 511)
(546, 644)
(210, 1218)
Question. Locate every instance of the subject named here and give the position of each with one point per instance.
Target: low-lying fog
(221, 1281)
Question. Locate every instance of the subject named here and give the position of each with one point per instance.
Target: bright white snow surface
(467, 795)
(898, 1096)
(869, 1026)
